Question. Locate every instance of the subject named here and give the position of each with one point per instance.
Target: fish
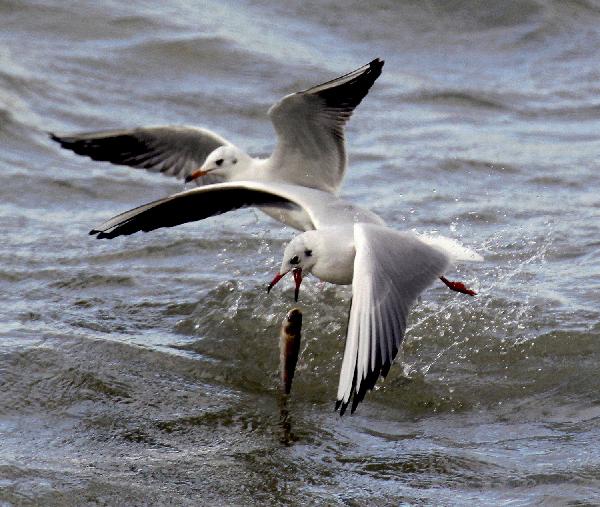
(289, 348)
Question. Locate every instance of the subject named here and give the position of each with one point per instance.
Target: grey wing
(171, 150)
(310, 147)
(390, 270)
(192, 205)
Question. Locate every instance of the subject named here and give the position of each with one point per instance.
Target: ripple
(460, 98)
(86, 280)
(214, 55)
(464, 165)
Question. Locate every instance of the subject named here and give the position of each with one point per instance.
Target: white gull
(310, 149)
(388, 270)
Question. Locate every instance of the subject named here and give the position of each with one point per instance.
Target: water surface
(143, 370)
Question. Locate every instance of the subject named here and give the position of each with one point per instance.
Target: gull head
(299, 257)
(221, 162)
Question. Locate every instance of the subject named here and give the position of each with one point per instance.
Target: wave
(523, 106)
(461, 98)
(86, 281)
(471, 15)
(485, 166)
(202, 55)
(582, 112)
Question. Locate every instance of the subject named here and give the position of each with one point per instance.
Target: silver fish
(289, 347)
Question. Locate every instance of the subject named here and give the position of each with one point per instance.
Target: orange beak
(196, 174)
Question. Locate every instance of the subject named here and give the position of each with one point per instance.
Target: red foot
(457, 286)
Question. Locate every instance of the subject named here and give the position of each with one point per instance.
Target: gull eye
(219, 162)
(308, 253)
(295, 260)
(234, 161)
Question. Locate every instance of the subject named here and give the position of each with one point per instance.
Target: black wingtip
(343, 408)
(356, 399)
(374, 69)
(99, 234)
(56, 138)
(377, 63)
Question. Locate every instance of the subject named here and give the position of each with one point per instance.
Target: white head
(326, 253)
(299, 257)
(221, 162)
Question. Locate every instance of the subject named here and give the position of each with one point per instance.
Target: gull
(388, 270)
(342, 244)
(310, 149)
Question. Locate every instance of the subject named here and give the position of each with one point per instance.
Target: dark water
(144, 370)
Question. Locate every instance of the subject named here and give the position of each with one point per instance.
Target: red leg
(457, 286)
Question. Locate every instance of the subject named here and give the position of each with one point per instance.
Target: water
(143, 370)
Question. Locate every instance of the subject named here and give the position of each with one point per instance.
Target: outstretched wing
(203, 202)
(390, 270)
(299, 207)
(174, 151)
(310, 129)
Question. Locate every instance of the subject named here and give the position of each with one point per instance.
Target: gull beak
(196, 174)
(297, 272)
(278, 277)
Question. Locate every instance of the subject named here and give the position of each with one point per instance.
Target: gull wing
(391, 269)
(206, 201)
(174, 151)
(300, 207)
(310, 129)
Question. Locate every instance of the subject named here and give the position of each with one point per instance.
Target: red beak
(278, 277)
(297, 272)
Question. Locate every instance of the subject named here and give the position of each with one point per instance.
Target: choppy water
(144, 370)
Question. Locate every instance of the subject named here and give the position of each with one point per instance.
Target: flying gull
(388, 270)
(310, 149)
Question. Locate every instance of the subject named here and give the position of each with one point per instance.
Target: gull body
(388, 270)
